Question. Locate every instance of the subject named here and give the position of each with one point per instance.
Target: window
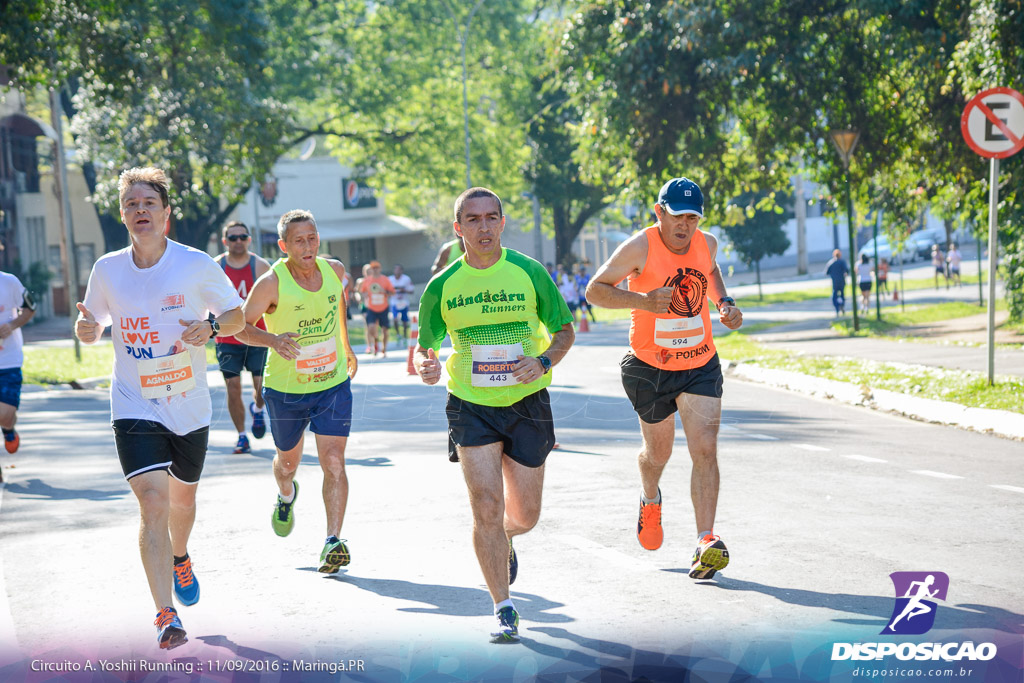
(362, 251)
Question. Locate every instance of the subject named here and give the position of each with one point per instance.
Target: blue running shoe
(243, 445)
(186, 587)
(508, 626)
(513, 564)
(259, 425)
(170, 632)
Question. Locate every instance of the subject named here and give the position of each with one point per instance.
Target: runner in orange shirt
(375, 290)
(672, 364)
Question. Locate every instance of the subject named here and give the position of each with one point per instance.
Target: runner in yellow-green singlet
(509, 326)
(307, 381)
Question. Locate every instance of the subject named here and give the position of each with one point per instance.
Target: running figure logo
(689, 292)
(916, 592)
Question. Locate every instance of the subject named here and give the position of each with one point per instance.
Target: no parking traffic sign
(993, 126)
(993, 123)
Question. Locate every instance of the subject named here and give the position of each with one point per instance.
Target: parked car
(885, 250)
(921, 241)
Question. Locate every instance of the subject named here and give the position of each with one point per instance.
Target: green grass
(893, 320)
(956, 386)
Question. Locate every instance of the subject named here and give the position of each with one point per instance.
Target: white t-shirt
(403, 287)
(12, 296)
(144, 306)
(567, 286)
(863, 272)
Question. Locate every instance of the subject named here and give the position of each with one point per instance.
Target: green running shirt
(491, 314)
(314, 315)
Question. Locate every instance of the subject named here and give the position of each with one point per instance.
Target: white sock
(502, 604)
(288, 499)
(242, 433)
(255, 410)
(648, 501)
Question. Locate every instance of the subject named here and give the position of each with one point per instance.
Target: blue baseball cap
(681, 195)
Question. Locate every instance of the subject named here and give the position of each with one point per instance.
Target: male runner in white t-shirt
(400, 302)
(16, 308)
(155, 294)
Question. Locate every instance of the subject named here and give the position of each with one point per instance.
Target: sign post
(993, 126)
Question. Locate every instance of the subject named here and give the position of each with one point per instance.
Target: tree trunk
(757, 267)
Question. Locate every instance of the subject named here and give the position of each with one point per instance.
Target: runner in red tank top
(672, 364)
(243, 268)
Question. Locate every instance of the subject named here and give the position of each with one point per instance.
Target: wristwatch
(545, 363)
(726, 300)
(214, 327)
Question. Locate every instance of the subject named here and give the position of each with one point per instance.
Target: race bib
(678, 333)
(317, 358)
(493, 364)
(166, 376)
(377, 299)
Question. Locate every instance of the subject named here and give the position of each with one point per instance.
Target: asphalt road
(819, 503)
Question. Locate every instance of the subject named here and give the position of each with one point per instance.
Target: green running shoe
(334, 556)
(508, 626)
(283, 520)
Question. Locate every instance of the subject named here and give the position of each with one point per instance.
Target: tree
(193, 103)
(757, 231)
(554, 175)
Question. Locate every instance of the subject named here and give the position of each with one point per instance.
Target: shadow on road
(456, 601)
(638, 664)
(40, 489)
(879, 609)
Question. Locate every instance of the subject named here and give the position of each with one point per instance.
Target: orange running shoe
(170, 633)
(648, 527)
(12, 441)
(710, 557)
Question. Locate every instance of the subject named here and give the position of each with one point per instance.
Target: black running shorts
(233, 358)
(145, 446)
(653, 391)
(525, 429)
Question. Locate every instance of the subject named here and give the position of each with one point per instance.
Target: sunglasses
(236, 238)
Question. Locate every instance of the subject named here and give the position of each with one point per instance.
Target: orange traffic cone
(414, 333)
(895, 295)
(584, 325)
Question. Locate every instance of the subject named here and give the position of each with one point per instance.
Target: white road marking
(1006, 487)
(864, 458)
(749, 435)
(811, 447)
(937, 475)
(761, 437)
(606, 554)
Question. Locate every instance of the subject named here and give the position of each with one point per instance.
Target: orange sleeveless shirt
(680, 339)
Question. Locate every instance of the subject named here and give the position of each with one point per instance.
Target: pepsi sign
(356, 195)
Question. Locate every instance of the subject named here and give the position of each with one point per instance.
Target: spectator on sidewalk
(953, 259)
(864, 278)
(837, 270)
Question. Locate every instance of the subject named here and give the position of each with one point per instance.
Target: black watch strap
(214, 327)
(545, 363)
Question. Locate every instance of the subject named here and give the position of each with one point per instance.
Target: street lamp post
(845, 141)
(463, 37)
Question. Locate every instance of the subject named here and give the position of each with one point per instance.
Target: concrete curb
(999, 422)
